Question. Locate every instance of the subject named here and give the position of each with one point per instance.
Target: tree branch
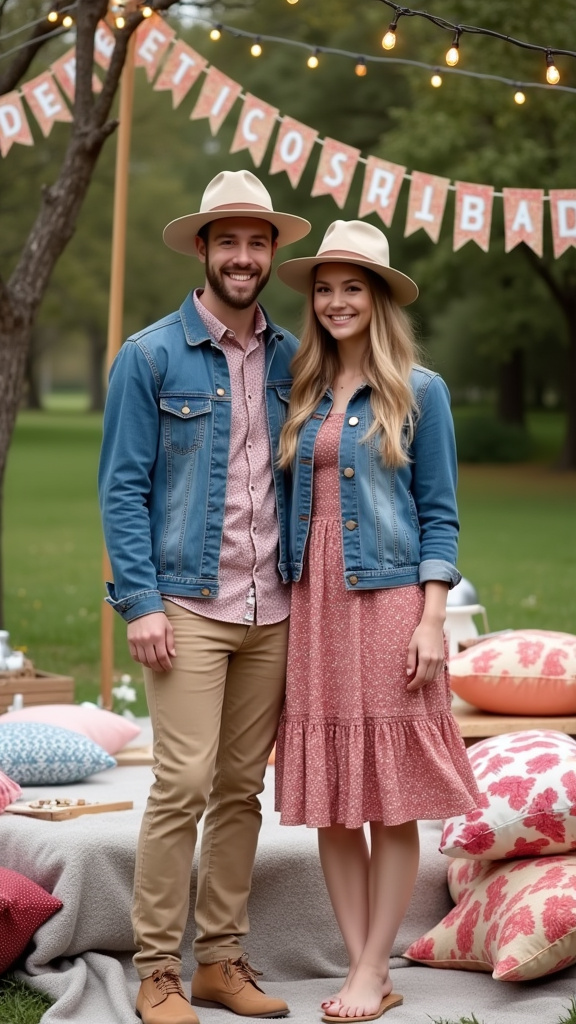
(543, 270)
(23, 59)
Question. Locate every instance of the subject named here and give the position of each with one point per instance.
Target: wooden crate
(478, 725)
(42, 688)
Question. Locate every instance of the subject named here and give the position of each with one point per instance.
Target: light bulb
(519, 97)
(453, 56)
(292, 1)
(215, 34)
(312, 61)
(120, 21)
(436, 81)
(147, 12)
(552, 74)
(389, 40)
(53, 16)
(256, 50)
(361, 68)
(68, 21)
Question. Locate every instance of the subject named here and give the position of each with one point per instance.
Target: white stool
(460, 624)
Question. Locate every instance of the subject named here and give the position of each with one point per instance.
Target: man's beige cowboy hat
(351, 241)
(233, 194)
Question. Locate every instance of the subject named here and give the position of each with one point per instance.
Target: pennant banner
(563, 211)
(523, 217)
(13, 124)
(104, 43)
(293, 147)
(218, 96)
(473, 215)
(382, 184)
(64, 71)
(257, 120)
(335, 171)
(153, 37)
(180, 72)
(426, 204)
(45, 102)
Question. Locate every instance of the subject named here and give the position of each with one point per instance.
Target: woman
(367, 734)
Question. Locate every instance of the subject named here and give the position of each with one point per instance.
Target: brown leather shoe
(161, 1000)
(232, 984)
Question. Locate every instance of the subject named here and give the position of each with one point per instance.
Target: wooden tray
(70, 811)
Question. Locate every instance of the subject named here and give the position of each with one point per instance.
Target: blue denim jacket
(164, 460)
(399, 526)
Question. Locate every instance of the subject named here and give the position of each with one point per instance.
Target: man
(194, 514)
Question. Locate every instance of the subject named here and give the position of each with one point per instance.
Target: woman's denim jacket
(399, 526)
(164, 461)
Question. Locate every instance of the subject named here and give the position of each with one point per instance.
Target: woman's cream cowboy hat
(351, 241)
(233, 194)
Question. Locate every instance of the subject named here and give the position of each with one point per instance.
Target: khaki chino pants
(214, 717)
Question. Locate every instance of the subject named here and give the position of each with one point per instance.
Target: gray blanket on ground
(82, 955)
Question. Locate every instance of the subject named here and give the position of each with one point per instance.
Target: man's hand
(151, 641)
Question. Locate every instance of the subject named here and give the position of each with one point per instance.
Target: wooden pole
(115, 323)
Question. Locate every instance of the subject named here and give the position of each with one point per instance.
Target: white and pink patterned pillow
(523, 672)
(515, 919)
(527, 806)
(9, 791)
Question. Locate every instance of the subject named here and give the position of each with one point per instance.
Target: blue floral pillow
(36, 754)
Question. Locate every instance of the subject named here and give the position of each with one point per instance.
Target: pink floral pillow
(527, 806)
(9, 791)
(524, 672)
(110, 731)
(515, 919)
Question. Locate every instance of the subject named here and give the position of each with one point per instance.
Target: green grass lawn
(518, 544)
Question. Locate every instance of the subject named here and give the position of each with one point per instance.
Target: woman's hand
(425, 654)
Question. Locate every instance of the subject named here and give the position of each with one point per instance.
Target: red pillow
(24, 906)
(9, 791)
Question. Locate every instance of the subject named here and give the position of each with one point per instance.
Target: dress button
(349, 472)
(220, 391)
(353, 580)
(185, 409)
(353, 421)
(205, 592)
(350, 524)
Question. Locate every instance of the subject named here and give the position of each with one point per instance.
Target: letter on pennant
(64, 70)
(382, 184)
(335, 171)
(218, 96)
(104, 43)
(426, 204)
(473, 215)
(523, 217)
(563, 212)
(153, 37)
(13, 124)
(294, 144)
(180, 71)
(254, 128)
(45, 102)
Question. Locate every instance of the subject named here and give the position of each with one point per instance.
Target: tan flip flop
(388, 1002)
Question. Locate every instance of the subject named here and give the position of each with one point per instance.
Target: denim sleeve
(128, 455)
(434, 479)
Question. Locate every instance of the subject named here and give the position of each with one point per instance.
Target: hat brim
(180, 234)
(297, 274)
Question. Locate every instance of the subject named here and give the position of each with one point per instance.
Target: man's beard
(219, 286)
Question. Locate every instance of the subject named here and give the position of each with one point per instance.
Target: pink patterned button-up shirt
(249, 552)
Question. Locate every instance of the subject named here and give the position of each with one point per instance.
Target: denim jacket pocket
(184, 422)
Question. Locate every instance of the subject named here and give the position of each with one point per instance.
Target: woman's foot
(333, 1003)
(361, 996)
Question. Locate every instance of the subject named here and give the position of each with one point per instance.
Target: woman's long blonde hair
(387, 366)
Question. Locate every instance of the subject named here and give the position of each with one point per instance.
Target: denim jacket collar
(196, 333)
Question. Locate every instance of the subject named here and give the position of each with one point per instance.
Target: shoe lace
(245, 970)
(168, 981)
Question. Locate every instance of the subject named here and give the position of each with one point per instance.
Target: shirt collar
(217, 330)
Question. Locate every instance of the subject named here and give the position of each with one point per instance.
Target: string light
(147, 12)
(52, 17)
(389, 40)
(215, 34)
(256, 49)
(453, 55)
(292, 1)
(361, 69)
(68, 21)
(313, 61)
(120, 21)
(552, 73)
(436, 80)
(519, 97)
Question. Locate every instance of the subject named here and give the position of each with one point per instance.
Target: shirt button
(350, 524)
(353, 580)
(353, 421)
(220, 391)
(185, 409)
(349, 472)
(205, 592)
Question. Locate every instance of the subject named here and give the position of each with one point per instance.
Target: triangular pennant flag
(180, 71)
(218, 95)
(45, 102)
(335, 171)
(294, 144)
(13, 124)
(257, 120)
(426, 204)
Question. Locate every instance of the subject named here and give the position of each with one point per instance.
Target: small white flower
(125, 678)
(127, 693)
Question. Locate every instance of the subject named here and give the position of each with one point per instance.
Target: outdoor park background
(487, 321)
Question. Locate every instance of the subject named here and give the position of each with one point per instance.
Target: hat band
(352, 255)
(238, 206)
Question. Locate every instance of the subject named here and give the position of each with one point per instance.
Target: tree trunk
(510, 404)
(96, 354)
(33, 395)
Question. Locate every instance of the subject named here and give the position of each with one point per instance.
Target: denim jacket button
(185, 409)
(350, 524)
(349, 472)
(205, 592)
(220, 391)
(353, 580)
(353, 421)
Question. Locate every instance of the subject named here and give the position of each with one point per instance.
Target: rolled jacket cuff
(439, 570)
(135, 605)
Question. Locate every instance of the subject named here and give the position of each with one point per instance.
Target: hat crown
(360, 239)
(234, 188)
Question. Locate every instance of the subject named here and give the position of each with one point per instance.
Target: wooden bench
(477, 725)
